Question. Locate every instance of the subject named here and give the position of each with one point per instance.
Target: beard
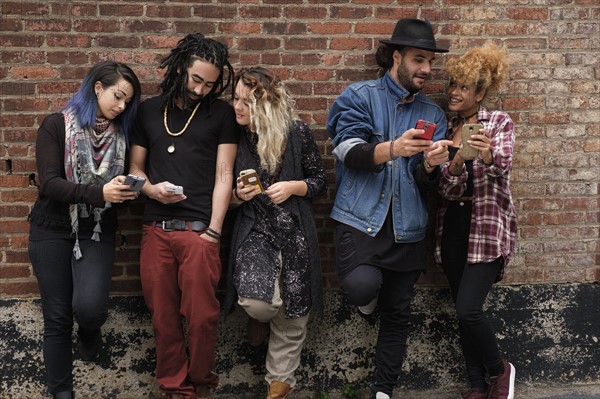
(406, 79)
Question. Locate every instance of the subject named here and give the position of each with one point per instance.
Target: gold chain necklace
(171, 148)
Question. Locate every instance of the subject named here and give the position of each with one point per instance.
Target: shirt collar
(400, 94)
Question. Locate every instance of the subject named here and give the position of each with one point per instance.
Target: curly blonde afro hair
(485, 67)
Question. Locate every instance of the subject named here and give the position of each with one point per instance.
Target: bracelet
(426, 164)
(392, 157)
(236, 195)
(213, 233)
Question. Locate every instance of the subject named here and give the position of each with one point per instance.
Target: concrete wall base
(550, 332)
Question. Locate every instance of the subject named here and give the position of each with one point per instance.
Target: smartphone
(250, 178)
(468, 130)
(174, 189)
(429, 128)
(135, 182)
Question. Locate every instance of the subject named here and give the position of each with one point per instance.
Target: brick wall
(318, 47)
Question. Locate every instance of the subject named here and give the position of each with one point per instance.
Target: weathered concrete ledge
(550, 332)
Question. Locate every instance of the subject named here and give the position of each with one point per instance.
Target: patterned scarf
(92, 156)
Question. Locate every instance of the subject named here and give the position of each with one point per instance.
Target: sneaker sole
(511, 387)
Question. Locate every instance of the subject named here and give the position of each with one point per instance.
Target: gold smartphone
(250, 178)
(468, 130)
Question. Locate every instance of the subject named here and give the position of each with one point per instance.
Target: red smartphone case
(429, 128)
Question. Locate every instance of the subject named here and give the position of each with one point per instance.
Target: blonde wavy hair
(485, 67)
(272, 113)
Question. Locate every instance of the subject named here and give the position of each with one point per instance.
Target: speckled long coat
(301, 290)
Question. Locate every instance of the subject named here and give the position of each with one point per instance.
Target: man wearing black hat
(382, 170)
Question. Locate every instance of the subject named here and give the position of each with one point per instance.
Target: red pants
(179, 273)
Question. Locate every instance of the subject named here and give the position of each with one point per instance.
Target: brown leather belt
(178, 225)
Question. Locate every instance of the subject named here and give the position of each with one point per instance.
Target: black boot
(64, 395)
(89, 345)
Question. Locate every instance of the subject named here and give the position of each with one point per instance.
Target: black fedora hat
(414, 33)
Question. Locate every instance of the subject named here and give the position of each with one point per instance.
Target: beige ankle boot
(279, 390)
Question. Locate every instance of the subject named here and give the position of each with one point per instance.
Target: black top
(469, 165)
(49, 217)
(193, 164)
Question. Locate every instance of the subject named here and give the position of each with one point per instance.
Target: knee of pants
(57, 325)
(468, 315)
(360, 292)
(260, 310)
(90, 317)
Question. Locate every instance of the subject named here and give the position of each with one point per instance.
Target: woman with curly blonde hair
(476, 223)
(274, 262)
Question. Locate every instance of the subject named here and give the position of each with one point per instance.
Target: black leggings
(70, 288)
(470, 285)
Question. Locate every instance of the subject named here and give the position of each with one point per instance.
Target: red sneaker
(503, 385)
(474, 394)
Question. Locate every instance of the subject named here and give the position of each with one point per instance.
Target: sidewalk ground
(522, 391)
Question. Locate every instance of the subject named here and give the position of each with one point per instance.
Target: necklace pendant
(171, 149)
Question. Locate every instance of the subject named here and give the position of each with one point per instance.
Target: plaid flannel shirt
(493, 222)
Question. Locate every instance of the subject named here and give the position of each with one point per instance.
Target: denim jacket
(373, 112)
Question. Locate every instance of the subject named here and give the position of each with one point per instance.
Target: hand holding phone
(249, 178)
(429, 128)
(469, 129)
(172, 188)
(135, 182)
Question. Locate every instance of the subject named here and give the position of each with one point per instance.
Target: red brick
(33, 72)
(240, 28)
(222, 11)
(287, 28)
(528, 13)
(52, 25)
(124, 10)
(14, 272)
(293, 44)
(350, 44)
(11, 24)
(96, 25)
(258, 43)
(145, 26)
(21, 8)
(16, 289)
(346, 12)
(310, 13)
(74, 10)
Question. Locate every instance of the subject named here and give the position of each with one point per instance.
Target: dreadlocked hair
(272, 113)
(194, 46)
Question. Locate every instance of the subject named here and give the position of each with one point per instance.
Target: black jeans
(70, 289)
(470, 285)
(396, 291)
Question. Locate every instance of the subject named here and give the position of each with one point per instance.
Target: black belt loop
(178, 225)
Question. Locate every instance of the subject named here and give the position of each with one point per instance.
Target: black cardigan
(51, 208)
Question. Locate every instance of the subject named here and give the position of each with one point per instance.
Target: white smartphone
(174, 189)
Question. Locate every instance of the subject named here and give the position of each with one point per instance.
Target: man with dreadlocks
(185, 137)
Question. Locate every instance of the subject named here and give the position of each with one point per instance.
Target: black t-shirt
(193, 163)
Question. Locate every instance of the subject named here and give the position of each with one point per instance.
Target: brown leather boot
(279, 390)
